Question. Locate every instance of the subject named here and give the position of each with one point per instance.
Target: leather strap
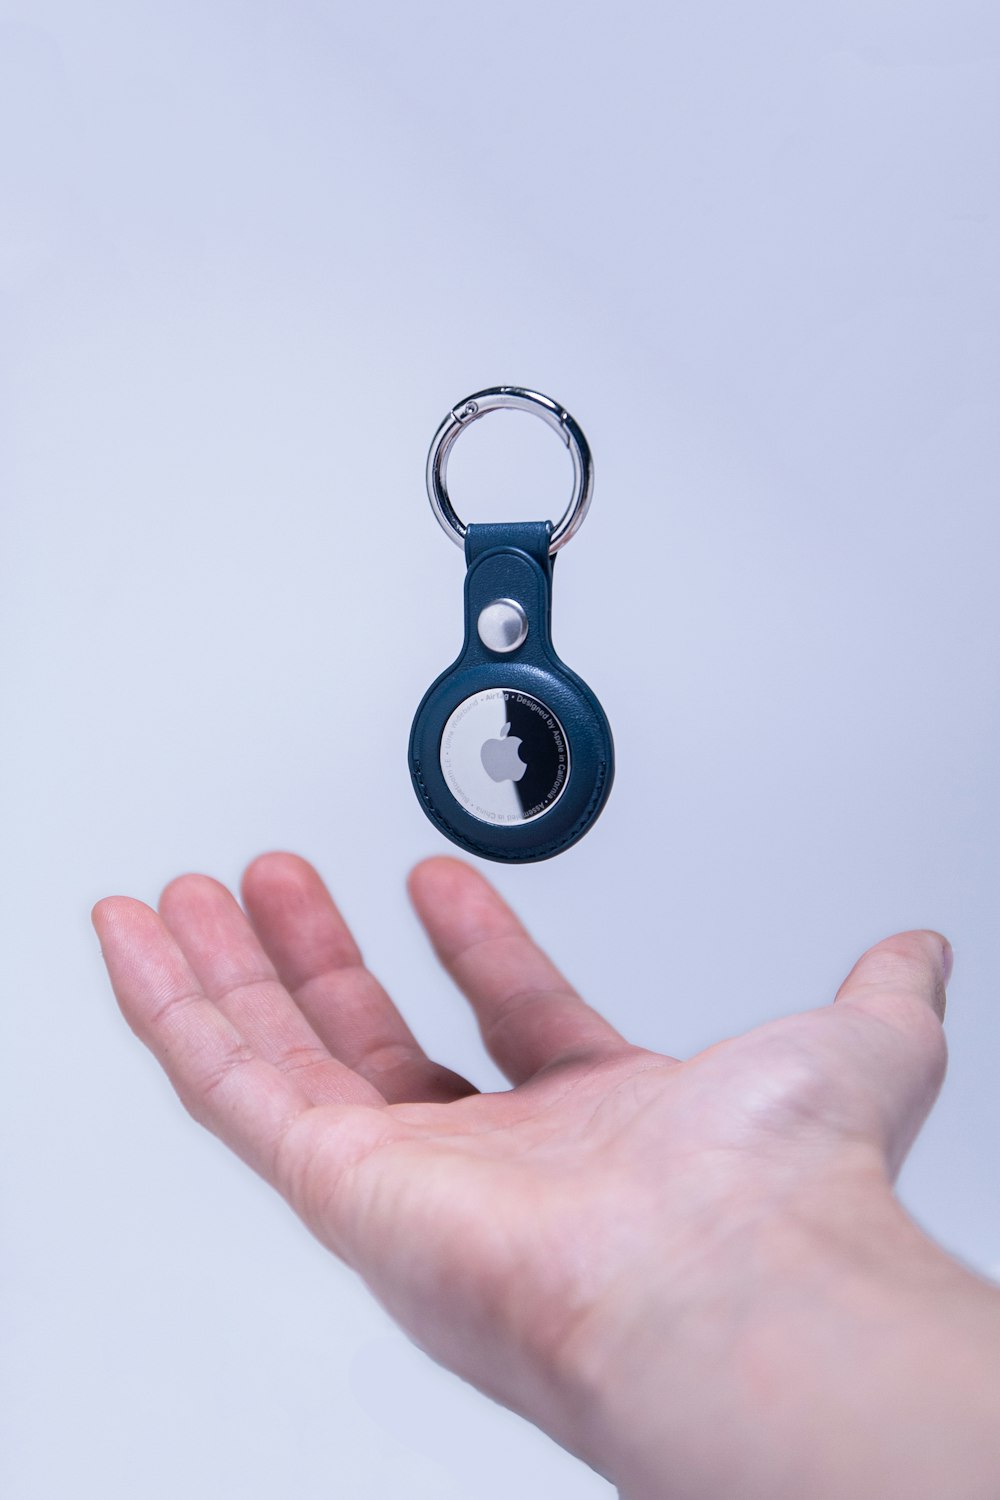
(512, 561)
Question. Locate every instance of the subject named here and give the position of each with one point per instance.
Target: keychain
(510, 752)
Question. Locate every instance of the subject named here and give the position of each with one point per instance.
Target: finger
(224, 1085)
(895, 997)
(318, 961)
(233, 970)
(528, 1014)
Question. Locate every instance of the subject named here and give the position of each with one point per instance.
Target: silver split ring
(511, 398)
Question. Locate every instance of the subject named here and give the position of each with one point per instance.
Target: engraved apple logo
(501, 758)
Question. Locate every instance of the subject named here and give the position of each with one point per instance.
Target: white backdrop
(250, 253)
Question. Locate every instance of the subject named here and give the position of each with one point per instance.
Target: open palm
(515, 1235)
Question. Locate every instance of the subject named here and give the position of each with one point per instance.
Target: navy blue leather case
(512, 562)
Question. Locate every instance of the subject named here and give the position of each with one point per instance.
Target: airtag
(504, 756)
(510, 752)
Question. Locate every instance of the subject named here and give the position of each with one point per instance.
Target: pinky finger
(245, 1101)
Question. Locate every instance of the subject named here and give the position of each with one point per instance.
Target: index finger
(529, 1015)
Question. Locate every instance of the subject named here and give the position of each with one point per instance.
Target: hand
(679, 1269)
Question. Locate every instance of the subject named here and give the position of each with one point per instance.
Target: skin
(693, 1274)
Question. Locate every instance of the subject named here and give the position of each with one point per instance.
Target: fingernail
(947, 959)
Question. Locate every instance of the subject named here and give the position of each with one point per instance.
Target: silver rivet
(503, 625)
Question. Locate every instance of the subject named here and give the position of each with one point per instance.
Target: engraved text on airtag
(504, 756)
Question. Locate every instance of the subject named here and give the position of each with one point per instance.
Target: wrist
(827, 1347)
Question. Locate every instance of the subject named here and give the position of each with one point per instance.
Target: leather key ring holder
(511, 753)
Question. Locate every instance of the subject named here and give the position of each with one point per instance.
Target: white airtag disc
(504, 756)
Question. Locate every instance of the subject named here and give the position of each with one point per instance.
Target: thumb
(894, 998)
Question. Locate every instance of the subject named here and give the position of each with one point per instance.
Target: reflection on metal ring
(510, 398)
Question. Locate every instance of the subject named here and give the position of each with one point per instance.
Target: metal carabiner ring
(512, 398)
